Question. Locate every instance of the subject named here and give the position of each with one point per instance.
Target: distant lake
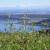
(18, 26)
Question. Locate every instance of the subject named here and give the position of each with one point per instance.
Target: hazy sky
(24, 3)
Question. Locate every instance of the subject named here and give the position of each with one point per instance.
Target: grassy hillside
(24, 41)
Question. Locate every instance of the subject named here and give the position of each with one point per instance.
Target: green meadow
(24, 41)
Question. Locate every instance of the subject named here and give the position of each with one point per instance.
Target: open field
(24, 41)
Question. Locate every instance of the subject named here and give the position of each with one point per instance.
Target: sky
(24, 3)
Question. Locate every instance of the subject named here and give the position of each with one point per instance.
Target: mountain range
(44, 10)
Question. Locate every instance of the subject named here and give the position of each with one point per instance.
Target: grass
(24, 41)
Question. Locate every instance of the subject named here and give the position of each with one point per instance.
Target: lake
(17, 23)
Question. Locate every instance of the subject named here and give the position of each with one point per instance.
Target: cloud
(33, 5)
(8, 5)
(22, 5)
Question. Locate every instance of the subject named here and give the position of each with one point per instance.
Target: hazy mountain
(44, 10)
